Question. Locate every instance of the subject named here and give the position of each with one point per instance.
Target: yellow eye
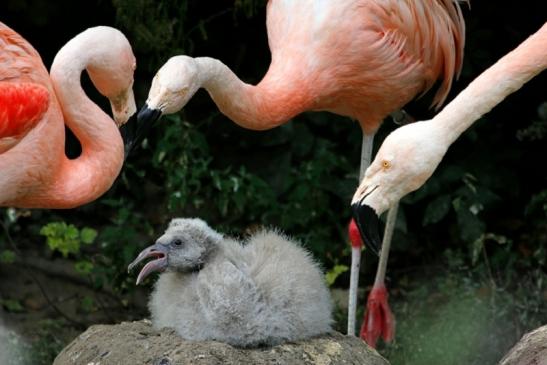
(386, 164)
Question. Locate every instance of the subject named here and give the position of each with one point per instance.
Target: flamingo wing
(365, 58)
(25, 88)
(432, 32)
(21, 107)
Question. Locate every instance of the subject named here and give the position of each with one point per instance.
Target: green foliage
(462, 315)
(7, 257)
(50, 342)
(436, 210)
(478, 245)
(88, 235)
(88, 304)
(537, 203)
(84, 267)
(250, 7)
(12, 305)
(538, 129)
(66, 238)
(334, 273)
(156, 28)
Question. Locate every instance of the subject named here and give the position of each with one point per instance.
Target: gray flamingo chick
(265, 292)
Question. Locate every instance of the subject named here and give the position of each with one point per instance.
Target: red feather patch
(21, 107)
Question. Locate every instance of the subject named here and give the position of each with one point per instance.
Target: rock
(137, 343)
(530, 350)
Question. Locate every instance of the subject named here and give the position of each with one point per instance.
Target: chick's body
(265, 292)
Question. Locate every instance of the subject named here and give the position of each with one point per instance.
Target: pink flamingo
(34, 108)
(358, 58)
(410, 154)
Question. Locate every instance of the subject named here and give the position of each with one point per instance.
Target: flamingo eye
(177, 242)
(386, 164)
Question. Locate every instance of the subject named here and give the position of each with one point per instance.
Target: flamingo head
(172, 87)
(406, 159)
(113, 75)
(185, 247)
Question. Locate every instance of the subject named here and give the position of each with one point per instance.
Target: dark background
(467, 273)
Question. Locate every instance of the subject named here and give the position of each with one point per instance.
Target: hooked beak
(137, 127)
(147, 115)
(368, 223)
(129, 132)
(159, 264)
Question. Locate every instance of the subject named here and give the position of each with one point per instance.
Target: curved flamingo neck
(267, 105)
(81, 180)
(493, 85)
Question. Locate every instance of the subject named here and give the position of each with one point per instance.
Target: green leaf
(62, 237)
(84, 267)
(12, 305)
(332, 274)
(436, 210)
(7, 257)
(476, 249)
(87, 304)
(471, 227)
(88, 235)
(498, 238)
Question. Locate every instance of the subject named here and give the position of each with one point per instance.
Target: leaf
(62, 237)
(84, 267)
(12, 305)
(87, 304)
(7, 257)
(479, 243)
(88, 235)
(436, 210)
(537, 203)
(476, 249)
(498, 238)
(332, 274)
(471, 227)
(11, 215)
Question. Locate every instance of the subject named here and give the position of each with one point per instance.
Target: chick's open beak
(159, 264)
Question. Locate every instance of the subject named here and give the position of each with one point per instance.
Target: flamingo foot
(378, 320)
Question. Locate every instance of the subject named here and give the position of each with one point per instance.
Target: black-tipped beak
(128, 132)
(137, 127)
(147, 115)
(368, 224)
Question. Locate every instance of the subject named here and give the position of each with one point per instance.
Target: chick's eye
(386, 164)
(177, 242)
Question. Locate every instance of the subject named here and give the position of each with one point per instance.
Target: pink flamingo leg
(379, 320)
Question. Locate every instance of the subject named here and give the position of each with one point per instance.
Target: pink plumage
(358, 58)
(21, 107)
(35, 172)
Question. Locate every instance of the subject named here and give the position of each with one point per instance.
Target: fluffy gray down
(266, 291)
